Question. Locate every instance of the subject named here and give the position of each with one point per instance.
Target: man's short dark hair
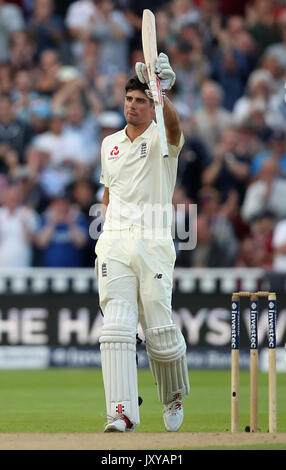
(134, 84)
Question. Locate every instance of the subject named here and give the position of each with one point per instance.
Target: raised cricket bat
(149, 43)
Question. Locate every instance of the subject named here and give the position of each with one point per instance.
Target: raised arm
(167, 78)
(172, 122)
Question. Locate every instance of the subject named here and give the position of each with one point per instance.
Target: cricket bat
(149, 43)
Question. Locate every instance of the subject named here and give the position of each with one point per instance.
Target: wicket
(235, 329)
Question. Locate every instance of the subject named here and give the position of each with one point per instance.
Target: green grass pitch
(72, 400)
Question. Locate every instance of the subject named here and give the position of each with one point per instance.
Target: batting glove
(141, 72)
(165, 72)
(162, 68)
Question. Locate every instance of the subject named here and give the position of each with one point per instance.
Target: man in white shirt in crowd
(61, 155)
(18, 225)
(136, 258)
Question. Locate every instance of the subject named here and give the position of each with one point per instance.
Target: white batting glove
(165, 72)
(141, 72)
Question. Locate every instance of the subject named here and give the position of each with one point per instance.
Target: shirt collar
(145, 134)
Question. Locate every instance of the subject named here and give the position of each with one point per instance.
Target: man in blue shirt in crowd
(276, 151)
(63, 235)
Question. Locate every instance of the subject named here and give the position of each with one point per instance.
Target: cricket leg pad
(118, 360)
(166, 350)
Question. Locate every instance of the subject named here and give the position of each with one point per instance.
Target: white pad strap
(166, 350)
(118, 359)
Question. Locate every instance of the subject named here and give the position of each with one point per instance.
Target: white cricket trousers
(139, 271)
(135, 277)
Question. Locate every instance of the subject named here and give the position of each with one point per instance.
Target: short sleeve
(103, 175)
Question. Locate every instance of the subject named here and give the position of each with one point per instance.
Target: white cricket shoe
(120, 424)
(173, 415)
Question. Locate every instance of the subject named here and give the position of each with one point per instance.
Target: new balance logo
(158, 276)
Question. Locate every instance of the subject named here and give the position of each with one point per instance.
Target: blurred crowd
(63, 68)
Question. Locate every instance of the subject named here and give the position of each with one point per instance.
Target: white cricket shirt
(140, 180)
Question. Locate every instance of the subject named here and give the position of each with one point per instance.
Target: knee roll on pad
(166, 350)
(118, 359)
(120, 322)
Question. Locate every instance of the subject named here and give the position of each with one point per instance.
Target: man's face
(138, 109)
(6, 114)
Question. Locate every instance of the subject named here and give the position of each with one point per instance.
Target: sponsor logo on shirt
(114, 154)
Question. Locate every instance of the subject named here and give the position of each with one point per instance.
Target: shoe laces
(111, 419)
(173, 406)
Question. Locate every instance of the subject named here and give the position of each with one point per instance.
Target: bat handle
(162, 132)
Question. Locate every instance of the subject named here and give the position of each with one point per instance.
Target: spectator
(83, 195)
(229, 169)
(181, 224)
(46, 26)
(11, 20)
(235, 25)
(261, 24)
(207, 253)
(61, 156)
(190, 74)
(74, 88)
(259, 86)
(46, 81)
(114, 100)
(85, 127)
(23, 96)
(221, 228)
(230, 69)
(278, 49)
(183, 12)
(14, 136)
(246, 45)
(113, 31)
(39, 114)
(211, 20)
(253, 133)
(194, 158)
(236, 36)
(18, 225)
(266, 192)
(165, 37)
(5, 78)
(22, 50)
(255, 129)
(212, 119)
(88, 61)
(231, 210)
(79, 20)
(62, 235)
(257, 249)
(275, 151)
(272, 63)
(32, 195)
